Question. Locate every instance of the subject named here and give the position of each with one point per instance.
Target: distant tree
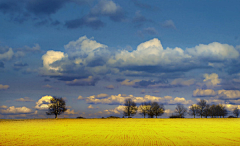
(218, 110)
(202, 104)
(193, 110)
(223, 111)
(158, 109)
(236, 112)
(150, 110)
(213, 112)
(180, 110)
(144, 107)
(130, 108)
(206, 111)
(56, 107)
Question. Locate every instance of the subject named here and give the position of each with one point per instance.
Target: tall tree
(56, 107)
(202, 104)
(212, 111)
(180, 110)
(236, 112)
(130, 108)
(218, 110)
(143, 108)
(193, 110)
(158, 109)
(150, 110)
(206, 111)
(223, 111)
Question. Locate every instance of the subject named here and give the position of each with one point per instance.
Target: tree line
(57, 106)
(154, 109)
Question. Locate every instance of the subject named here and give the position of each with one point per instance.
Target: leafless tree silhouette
(144, 107)
(202, 104)
(56, 107)
(206, 111)
(236, 112)
(180, 110)
(218, 111)
(213, 110)
(130, 108)
(221, 110)
(193, 110)
(158, 109)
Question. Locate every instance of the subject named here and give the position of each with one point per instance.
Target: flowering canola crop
(125, 132)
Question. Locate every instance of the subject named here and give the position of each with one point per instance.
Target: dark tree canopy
(130, 108)
(56, 107)
(180, 110)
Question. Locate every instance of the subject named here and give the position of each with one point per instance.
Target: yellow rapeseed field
(47, 132)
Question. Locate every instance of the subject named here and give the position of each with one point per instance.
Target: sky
(97, 53)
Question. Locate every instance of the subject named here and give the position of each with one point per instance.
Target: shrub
(113, 117)
(175, 116)
(81, 118)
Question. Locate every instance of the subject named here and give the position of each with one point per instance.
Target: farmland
(212, 131)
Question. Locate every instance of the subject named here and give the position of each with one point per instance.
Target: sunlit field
(120, 132)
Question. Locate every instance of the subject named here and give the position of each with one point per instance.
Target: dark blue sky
(96, 53)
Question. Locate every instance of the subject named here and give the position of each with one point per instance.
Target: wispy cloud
(25, 99)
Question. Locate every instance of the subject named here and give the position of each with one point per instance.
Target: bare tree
(130, 108)
(193, 110)
(218, 111)
(56, 107)
(144, 107)
(180, 110)
(150, 110)
(236, 112)
(212, 111)
(202, 104)
(158, 109)
(206, 111)
(223, 111)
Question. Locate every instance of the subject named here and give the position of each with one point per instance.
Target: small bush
(231, 117)
(113, 117)
(81, 118)
(175, 116)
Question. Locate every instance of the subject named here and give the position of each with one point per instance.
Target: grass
(123, 132)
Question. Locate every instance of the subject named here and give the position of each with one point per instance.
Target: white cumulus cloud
(42, 104)
(203, 93)
(229, 94)
(179, 100)
(51, 57)
(83, 46)
(16, 110)
(119, 99)
(214, 51)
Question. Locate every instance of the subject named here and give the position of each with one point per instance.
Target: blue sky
(96, 53)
